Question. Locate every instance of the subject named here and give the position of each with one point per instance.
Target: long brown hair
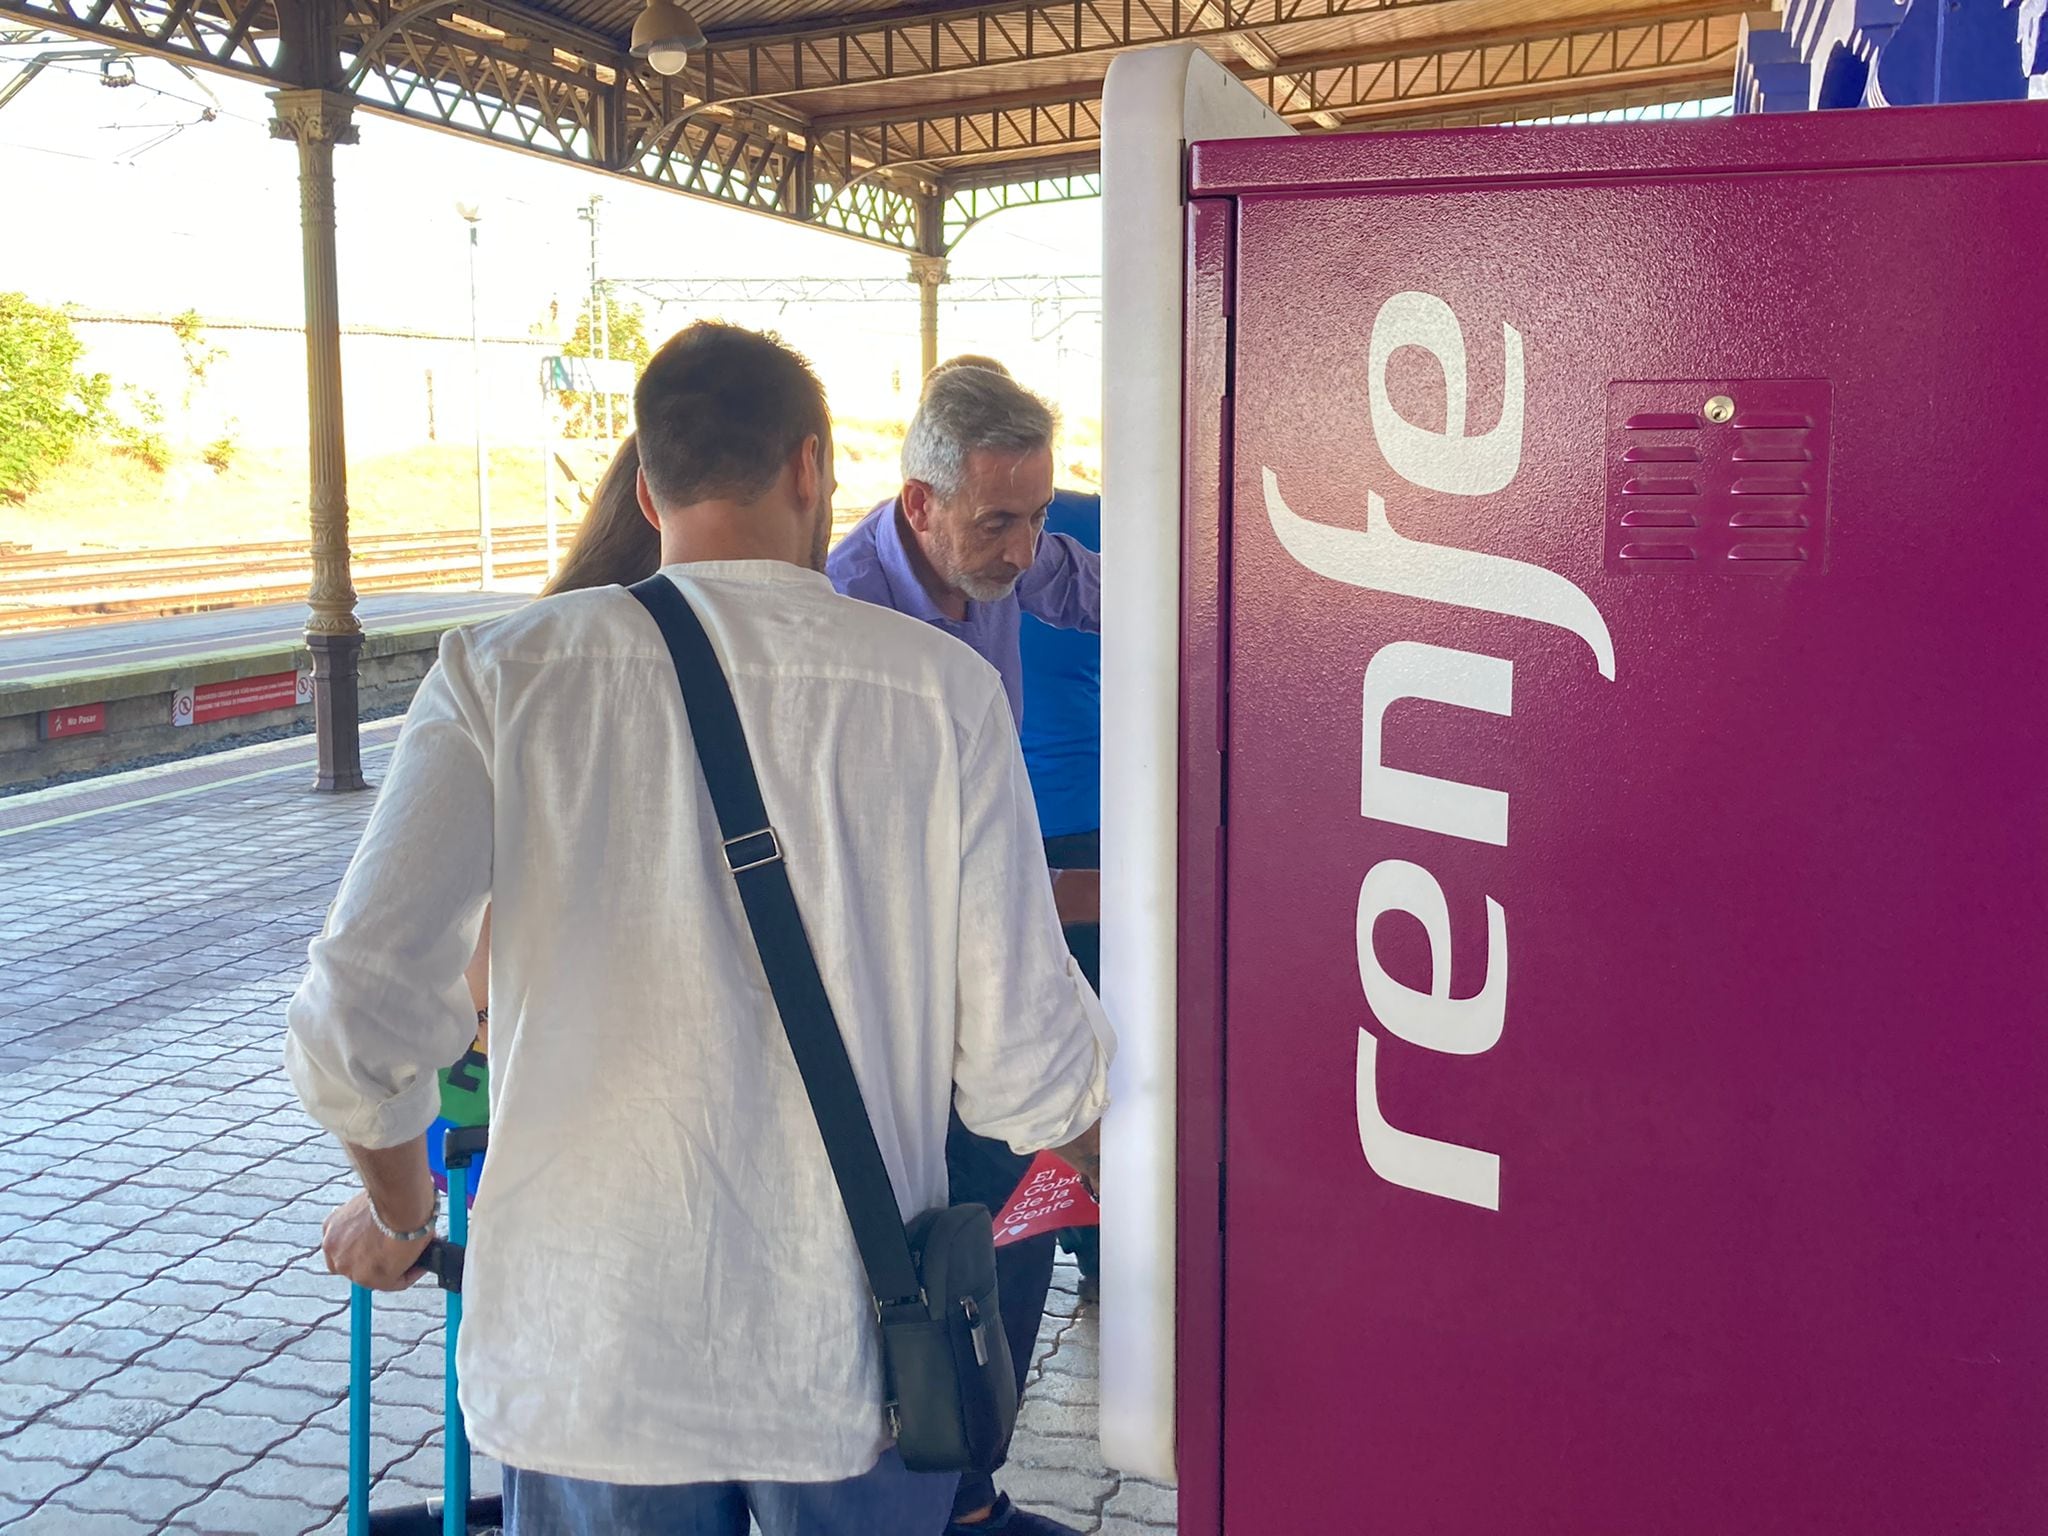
(616, 546)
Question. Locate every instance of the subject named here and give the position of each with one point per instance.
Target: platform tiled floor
(171, 1356)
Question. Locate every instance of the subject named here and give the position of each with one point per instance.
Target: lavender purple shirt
(1063, 588)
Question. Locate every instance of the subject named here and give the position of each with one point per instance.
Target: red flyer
(1051, 1198)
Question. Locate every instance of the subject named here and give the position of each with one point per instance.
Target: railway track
(41, 590)
(60, 589)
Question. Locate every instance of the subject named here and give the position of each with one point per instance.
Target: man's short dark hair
(720, 410)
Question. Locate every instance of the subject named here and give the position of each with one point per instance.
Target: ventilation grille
(1745, 494)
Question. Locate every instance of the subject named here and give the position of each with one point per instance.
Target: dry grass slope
(102, 499)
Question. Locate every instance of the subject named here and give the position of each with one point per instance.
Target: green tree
(136, 427)
(200, 354)
(198, 351)
(46, 404)
(583, 415)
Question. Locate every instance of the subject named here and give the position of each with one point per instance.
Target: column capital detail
(313, 117)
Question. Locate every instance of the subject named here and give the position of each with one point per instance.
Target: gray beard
(981, 590)
(976, 588)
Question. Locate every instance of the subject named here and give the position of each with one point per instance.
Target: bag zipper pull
(977, 1331)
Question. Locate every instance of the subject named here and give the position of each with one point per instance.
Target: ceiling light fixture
(665, 36)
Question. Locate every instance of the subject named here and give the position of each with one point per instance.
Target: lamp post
(600, 337)
(473, 214)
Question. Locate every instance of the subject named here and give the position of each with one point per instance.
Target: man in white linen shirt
(666, 1323)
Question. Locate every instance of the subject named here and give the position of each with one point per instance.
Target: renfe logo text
(1382, 560)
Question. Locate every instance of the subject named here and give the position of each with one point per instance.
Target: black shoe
(1009, 1520)
(1091, 1290)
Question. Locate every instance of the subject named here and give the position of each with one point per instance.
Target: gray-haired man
(964, 549)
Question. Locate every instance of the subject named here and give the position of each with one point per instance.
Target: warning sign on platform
(1051, 1198)
(240, 696)
(79, 720)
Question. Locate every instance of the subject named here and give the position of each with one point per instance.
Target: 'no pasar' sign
(1050, 1199)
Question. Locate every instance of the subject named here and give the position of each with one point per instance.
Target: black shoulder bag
(951, 1391)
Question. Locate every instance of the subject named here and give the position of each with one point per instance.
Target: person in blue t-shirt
(1063, 701)
(1063, 754)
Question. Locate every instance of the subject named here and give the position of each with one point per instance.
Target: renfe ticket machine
(1587, 970)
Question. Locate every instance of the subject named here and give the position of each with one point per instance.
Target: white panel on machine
(1155, 103)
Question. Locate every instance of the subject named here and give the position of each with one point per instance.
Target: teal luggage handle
(443, 1260)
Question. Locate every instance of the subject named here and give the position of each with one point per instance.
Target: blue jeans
(889, 1498)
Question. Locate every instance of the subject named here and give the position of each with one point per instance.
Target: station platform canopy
(902, 125)
(897, 125)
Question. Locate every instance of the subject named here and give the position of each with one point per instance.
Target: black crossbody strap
(754, 855)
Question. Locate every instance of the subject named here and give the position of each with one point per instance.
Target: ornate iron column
(317, 121)
(928, 272)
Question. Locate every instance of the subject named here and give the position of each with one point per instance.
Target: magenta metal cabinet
(1614, 982)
